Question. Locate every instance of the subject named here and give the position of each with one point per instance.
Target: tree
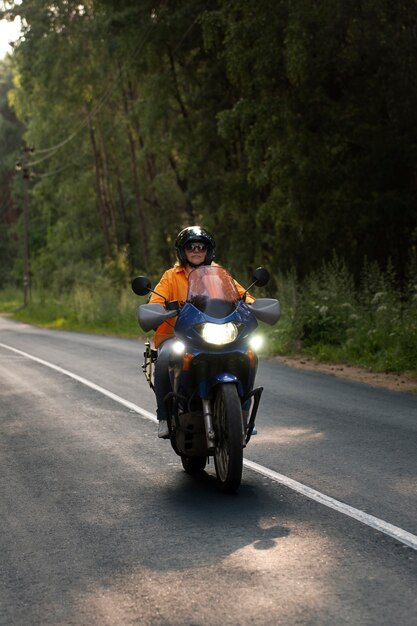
(287, 128)
(10, 146)
(326, 117)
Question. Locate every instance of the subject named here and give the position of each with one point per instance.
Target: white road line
(374, 522)
(84, 381)
(395, 532)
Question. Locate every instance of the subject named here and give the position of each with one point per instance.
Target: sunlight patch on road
(288, 583)
(286, 435)
(406, 485)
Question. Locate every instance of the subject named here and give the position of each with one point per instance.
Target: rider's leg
(162, 385)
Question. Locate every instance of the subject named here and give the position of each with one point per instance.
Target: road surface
(100, 525)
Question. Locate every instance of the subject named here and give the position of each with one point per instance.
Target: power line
(57, 171)
(50, 152)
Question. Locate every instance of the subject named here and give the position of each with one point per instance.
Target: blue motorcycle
(213, 403)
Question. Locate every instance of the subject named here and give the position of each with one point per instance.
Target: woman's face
(195, 252)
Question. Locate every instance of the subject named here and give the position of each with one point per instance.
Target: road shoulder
(388, 380)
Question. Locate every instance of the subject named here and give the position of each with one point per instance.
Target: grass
(104, 311)
(327, 316)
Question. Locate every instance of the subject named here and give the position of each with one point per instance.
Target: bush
(374, 325)
(326, 316)
(325, 302)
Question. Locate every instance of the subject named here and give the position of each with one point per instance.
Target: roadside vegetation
(326, 316)
(288, 129)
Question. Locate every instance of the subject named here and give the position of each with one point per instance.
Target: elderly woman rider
(194, 246)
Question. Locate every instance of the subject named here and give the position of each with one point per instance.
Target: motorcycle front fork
(248, 421)
(248, 413)
(208, 424)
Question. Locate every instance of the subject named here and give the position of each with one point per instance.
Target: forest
(288, 128)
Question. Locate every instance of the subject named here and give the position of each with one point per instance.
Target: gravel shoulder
(388, 380)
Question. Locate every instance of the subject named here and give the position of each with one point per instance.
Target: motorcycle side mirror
(260, 276)
(141, 285)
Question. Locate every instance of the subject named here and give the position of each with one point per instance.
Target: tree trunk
(101, 204)
(127, 94)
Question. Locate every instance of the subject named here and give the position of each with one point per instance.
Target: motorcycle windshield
(212, 290)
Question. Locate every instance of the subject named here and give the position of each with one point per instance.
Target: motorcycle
(212, 368)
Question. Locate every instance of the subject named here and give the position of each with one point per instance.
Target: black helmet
(194, 233)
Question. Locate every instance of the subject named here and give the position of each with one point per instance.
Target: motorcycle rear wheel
(228, 451)
(193, 464)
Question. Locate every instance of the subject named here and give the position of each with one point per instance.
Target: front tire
(228, 451)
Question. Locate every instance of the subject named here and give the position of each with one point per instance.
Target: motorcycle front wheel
(228, 451)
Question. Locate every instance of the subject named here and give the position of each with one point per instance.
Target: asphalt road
(100, 525)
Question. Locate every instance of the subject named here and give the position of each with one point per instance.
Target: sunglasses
(196, 247)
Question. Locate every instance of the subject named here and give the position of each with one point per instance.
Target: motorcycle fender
(220, 379)
(225, 378)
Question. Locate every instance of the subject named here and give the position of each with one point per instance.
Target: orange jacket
(174, 286)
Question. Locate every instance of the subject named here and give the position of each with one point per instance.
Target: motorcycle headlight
(218, 334)
(256, 342)
(178, 347)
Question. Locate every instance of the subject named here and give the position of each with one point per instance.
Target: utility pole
(27, 151)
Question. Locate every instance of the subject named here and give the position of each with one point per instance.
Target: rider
(194, 246)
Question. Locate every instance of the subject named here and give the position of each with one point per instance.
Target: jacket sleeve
(164, 288)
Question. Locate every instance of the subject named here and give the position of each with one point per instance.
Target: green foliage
(374, 325)
(326, 316)
(100, 308)
(325, 304)
(288, 129)
(10, 141)
(11, 300)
